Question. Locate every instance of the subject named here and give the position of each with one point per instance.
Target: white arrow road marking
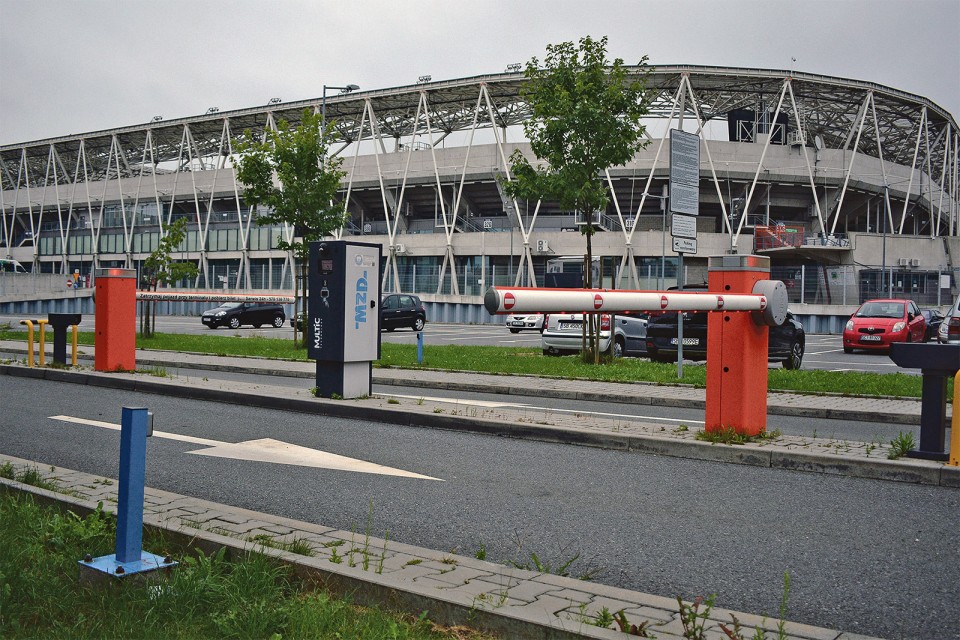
(492, 404)
(267, 450)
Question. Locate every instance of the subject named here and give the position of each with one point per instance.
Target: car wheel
(847, 350)
(796, 356)
(550, 351)
(257, 326)
(514, 330)
(278, 321)
(234, 323)
(390, 329)
(618, 348)
(662, 358)
(418, 324)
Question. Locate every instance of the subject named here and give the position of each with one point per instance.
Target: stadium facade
(850, 187)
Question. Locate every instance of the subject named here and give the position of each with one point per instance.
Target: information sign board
(684, 245)
(684, 172)
(683, 226)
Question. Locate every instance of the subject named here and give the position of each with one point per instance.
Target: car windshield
(881, 310)
(230, 305)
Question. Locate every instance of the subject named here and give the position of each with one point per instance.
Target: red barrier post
(736, 350)
(116, 319)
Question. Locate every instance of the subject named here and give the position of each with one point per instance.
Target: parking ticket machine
(343, 316)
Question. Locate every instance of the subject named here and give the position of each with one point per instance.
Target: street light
(323, 103)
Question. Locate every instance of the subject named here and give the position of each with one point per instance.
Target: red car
(879, 323)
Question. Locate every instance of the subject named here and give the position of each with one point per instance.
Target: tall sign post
(684, 208)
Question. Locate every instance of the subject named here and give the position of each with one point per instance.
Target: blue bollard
(420, 348)
(130, 558)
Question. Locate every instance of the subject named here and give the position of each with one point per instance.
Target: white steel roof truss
(94, 224)
(913, 167)
(806, 156)
(448, 259)
(713, 170)
(862, 117)
(369, 116)
(54, 164)
(763, 155)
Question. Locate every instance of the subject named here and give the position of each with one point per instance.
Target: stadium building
(850, 187)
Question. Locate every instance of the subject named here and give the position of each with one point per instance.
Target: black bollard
(60, 322)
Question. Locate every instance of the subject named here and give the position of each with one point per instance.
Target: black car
(934, 319)
(786, 343)
(235, 314)
(402, 310)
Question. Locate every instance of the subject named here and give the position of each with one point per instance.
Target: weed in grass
(729, 435)
(437, 410)
(694, 620)
(414, 562)
(297, 545)
(603, 619)
(419, 401)
(393, 401)
(899, 446)
(7, 471)
(639, 630)
(481, 553)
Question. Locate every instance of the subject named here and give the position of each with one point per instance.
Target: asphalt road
(863, 556)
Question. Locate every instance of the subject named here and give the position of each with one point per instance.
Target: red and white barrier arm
(500, 300)
(203, 296)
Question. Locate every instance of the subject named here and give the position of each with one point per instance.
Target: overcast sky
(74, 66)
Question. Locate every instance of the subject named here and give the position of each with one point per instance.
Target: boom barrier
(743, 303)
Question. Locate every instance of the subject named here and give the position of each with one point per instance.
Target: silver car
(562, 333)
(949, 332)
(518, 322)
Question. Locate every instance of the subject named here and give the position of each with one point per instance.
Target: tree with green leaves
(289, 175)
(160, 267)
(585, 117)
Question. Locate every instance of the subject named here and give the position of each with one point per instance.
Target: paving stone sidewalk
(507, 601)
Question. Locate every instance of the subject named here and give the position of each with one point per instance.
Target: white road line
(267, 450)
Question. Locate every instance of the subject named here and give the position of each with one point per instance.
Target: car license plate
(687, 342)
(517, 323)
(570, 326)
(871, 338)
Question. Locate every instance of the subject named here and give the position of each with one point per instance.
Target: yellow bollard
(955, 424)
(29, 325)
(74, 359)
(43, 332)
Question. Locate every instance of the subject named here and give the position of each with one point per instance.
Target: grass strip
(252, 596)
(527, 361)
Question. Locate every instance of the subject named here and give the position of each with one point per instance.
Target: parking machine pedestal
(343, 319)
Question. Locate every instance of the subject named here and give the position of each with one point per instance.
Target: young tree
(290, 175)
(586, 116)
(160, 267)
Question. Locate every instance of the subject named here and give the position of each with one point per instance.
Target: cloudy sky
(73, 66)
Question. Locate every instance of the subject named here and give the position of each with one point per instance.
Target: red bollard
(736, 350)
(116, 319)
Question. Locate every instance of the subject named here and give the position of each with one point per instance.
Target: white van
(11, 266)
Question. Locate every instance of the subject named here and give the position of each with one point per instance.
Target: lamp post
(323, 103)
